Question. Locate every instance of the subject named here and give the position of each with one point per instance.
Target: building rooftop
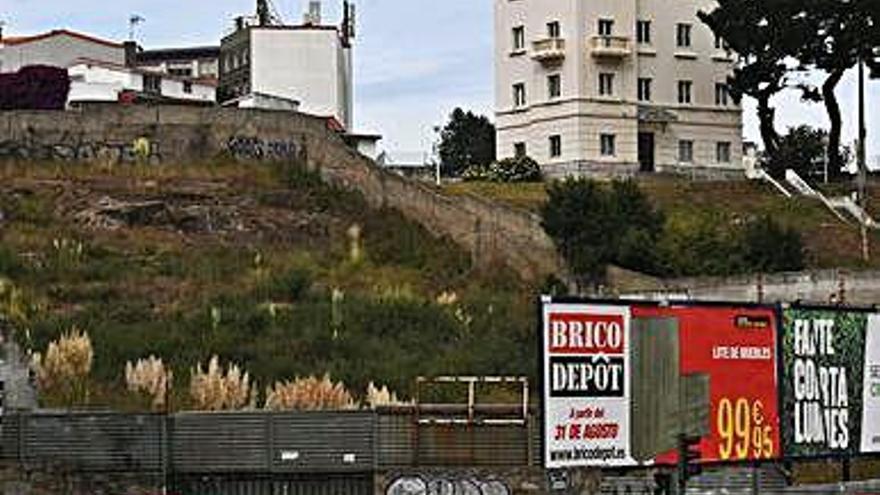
(185, 53)
(21, 40)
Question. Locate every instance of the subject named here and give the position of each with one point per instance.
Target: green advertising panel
(826, 382)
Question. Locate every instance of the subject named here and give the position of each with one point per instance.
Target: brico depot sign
(621, 380)
(586, 384)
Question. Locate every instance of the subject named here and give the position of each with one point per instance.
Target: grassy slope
(830, 243)
(241, 262)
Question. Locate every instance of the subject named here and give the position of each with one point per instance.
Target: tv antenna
(133, 22)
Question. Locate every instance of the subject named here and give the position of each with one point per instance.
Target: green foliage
(774, 39)
(467, 140)
(508, 170)
(291, 285)
(770, 247)
(594, 226)
(802, 150)
(10, 263)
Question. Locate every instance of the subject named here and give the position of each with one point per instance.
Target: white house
(59, 48)
(97, 81)
(614, 88)
(310, 63)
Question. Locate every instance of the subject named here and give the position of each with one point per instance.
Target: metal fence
(259, 443)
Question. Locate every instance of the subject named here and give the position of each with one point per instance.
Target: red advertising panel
(735, 347)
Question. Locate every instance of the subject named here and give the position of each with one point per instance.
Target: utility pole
(863, 168)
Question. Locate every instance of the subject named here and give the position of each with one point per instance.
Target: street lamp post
(863, 168)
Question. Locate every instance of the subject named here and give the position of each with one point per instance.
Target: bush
(770, 247)
(516, 169)
(593, 226)
(289, 286)
(35, 87)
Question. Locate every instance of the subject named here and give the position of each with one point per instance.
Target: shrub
(593, 226)
(62, 373)
(309, 394)
(516, 169)
(214, 389)
(36, 87)
(382, 397)
(291, 285)
(770, 247)
(151, 378)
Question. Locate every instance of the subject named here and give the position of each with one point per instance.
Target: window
(720, 44)
(553, 29)
(187, 87)
(519, 149)
(645, 88)
(721, 94)
(152, 84)
(519, 38)
(555, 146)
(606, 84)
(606, 27)
(686, 151)
(643, 32)
(683, 36)
(722, 152)
(180, 71)
(606, 142)
(554, 86)
(684, 92)
(519, 95)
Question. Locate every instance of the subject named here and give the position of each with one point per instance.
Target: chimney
(131, 50)
(313, 16)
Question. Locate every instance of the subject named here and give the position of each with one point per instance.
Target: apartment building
(614, 87)
(310, 63)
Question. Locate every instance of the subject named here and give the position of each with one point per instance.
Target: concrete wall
(17, 390)
(493, 234)
(821, 287)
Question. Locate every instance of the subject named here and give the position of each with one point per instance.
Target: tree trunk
(835, 160)
(767, 116)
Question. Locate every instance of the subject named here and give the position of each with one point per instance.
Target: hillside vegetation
(264, 266)
(722, 206)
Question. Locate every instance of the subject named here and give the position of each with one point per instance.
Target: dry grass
(216, 389)
(62, 373)
(382, 397)
(151, 378)
(309, 394)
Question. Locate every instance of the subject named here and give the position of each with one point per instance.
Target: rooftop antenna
(133, 22)
(267, 15)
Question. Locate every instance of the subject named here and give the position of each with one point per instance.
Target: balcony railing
(610, 46)
(548, 50)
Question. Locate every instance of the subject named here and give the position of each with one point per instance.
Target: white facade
(97, 82)
(59, 48)
(309, 64)
(597, 98)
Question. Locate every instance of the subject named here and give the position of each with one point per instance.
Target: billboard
(586, 376)
(830, 381)
(731, 350)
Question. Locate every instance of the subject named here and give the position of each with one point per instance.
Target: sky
(415, 60)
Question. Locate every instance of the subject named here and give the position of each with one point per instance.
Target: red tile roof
(21, 40)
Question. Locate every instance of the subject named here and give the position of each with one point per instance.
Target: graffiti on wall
(73, 149)
(447, 484)
(256, 148)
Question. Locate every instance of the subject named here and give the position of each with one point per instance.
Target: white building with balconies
(614, 87)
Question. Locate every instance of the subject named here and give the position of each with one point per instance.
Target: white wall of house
(307, 65)
(580, 115)
(59, 50)
(90, 82)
